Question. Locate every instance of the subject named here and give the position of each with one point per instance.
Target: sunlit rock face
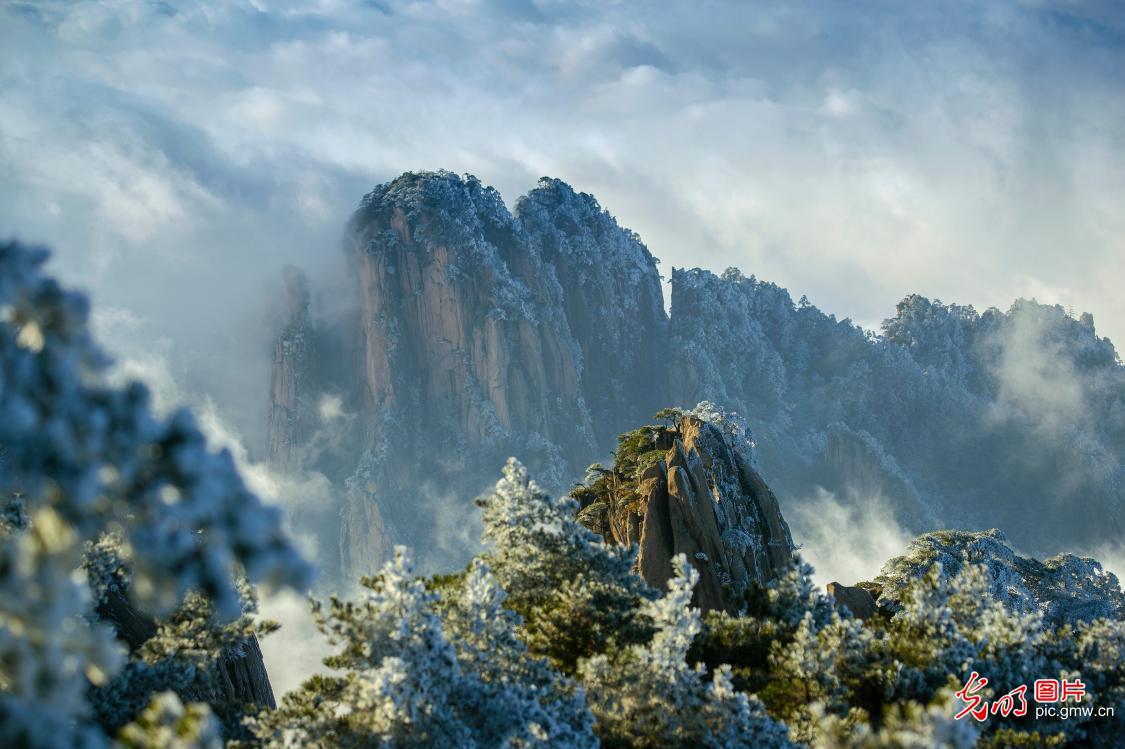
(466, 355)
(460, 321)
(465, 350)
(690, 488)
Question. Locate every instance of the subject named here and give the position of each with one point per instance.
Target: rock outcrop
(690, 488)
(289, 386)
(466, 355)
(858, 600)
(241, 680)
(467, 351)
(479, 333)
(460, 321)
(1065, 588)
(950, 417)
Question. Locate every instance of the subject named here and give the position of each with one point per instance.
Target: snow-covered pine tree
(648, 696)
(577, 595)
(82, 458)
(413, 678)
(169, 724)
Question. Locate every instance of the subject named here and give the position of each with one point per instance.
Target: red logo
(1015, 701)
(1006, 705)
(974, 703)
(1046, 690)
(1075, 689)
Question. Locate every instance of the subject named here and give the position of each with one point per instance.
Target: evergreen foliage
(650, 696)
(414, 678)
(84, 461)
(577, 595)
(552, 625)
(168, 724)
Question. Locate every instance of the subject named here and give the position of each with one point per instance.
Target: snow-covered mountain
(480, 333)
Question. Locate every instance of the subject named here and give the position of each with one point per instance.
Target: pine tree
(649, 696)
(577, 595)
(168, 724)
(413, 678)
(82, 459)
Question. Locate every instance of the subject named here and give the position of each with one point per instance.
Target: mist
(177, 155)
(846, 540)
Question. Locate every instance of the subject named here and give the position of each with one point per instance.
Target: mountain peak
(541, 332)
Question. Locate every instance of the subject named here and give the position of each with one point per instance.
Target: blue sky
(177, 154)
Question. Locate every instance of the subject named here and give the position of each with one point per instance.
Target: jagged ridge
(542, 334)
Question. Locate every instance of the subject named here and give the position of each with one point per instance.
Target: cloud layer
(177, 154)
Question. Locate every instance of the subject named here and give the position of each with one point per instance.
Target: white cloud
(178, 155)
(854, 155)
(296, 651)
(846, 540)
(330, 407)
(1112, 559)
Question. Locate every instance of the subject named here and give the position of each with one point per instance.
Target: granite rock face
(459, 319)
(289, 386)
(613, 302)
(465, 350)
(465, 355)
(479, 333)
(690, 488)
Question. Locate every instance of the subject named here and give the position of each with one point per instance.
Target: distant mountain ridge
(481, 333)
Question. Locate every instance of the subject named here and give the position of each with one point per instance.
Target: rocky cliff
(465, 353)
(289, 381)
(950, 418)
(613, 302)
(467, 350)
(689, 487)
(461, 323)
(480, 333)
